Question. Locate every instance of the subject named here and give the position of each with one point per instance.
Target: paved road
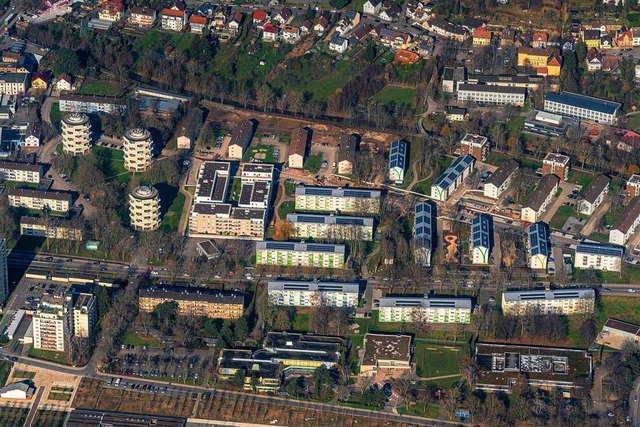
(634, 404)
(34, 408)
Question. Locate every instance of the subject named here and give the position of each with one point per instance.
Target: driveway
(551, 210)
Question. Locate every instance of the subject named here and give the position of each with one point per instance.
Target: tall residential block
(76, 134)
(138, 150)
(144, 208)
(4, 276)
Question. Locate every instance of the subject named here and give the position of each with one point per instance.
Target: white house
(481, 239)
(64, 82)
(21, 390)
(599, 256)
(539, 246)
(338, 44)
(500, 180)
(372, 7)
(594, 195)
(397, 161)
(626, 224)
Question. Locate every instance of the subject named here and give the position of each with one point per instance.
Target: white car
(154, 273)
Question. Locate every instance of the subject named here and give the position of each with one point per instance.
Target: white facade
(293, 254)
(372, 7)
(582, 106)
(560, 301)
(51, 324)
(76, 134)
(313, 294)
(20, 172)
(4, 278)
(598, 257)
(138, 150)
(452, 177)
(144, 208)
(489, 94)
(500, 180)
(626, 224)
(430, 310)
(330, 199)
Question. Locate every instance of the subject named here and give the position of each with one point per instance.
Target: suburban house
(290, 34)
(624, 39)
(322, 25)
(235, 23)
(594, 195)
(198, 24)
(541, 198)
(392, 13)
(173, 19)
(481, 37)
(338, 44)
(111, 11)
(40, 81)
(591, 38)
(500, 180)
(539, 40)
(347, 153)
(298, 147)
(260, 18)
(372, 7)
(270, 32)
(142, 17)
(594, 60)
(284, 16)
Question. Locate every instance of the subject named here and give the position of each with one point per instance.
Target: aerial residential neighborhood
(346, 213)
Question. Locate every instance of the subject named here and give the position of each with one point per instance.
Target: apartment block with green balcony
(360, 201)
(430, 310)
(294, 254)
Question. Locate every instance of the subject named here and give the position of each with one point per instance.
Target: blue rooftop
(539, 239)
(583, 101)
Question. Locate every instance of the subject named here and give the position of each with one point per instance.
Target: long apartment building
(430, 310)
(452, 177)
(594, 195)
(360, 201)
(213, 215)
(20, 172)
(241, 138)
(332, 226)
(75, 103)
(558, 301)
(51, 227)
(210, 303)
(294, 254)
(14, 83)
(494, 95)
(542, 196)
(312, 294)
(583, 107)
(599, 256)
(500, 180)
(58, 201)
(539, 246)
(424, 232)
(626, 224)
(481, 239)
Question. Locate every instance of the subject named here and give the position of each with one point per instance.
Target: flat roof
(599, 249)
(248, 213)
(248, 169)
(503, 173)
(192, 294)
(555, 294)
(623, 326)
(545, 187)
(361, 193)
(330, 219)
(213, 181)
(73, 97)
(424, 302)
(628, 216)
(386, 347)
(95, 418)
(595, 188)
(634, 179)
(583, 101)
(557, 158)
(301, 247)
(473, 139)
(301, 285)
(491, 89)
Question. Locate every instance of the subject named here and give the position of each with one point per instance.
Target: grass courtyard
(627, 309)
(395, 95)
(436, 361)
(99, 87)
(130, 338)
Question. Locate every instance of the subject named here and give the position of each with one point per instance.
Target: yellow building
(546, 60)
(214, 304)
(591, 38)
(39, 82)
(560, 301)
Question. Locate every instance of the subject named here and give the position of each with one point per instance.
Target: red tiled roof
(198, 19)
(259, 15)
(172, 12)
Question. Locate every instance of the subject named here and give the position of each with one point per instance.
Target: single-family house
(270, 32)
(260, 18)
(392, 13)
(624, 39)
(290, 34)
(372, 7)
(481, 37)
(40, 81)
(198, 24)
(539, 40)
(322, 25)
(591, 38)
(235, 23)
(338, 44)
(306, 27)
(111, 11)
(594, 60)
(606, 42)
(173, 19)
(64, 82)
(284, 15)
(142, 17)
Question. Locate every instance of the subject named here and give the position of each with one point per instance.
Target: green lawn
(395, 94)
(64, 397)
(51, 356)
(633, 122)
(531, 164)
(24, 374)
(629, 275)
(260, 153)
(289, 188)
(112, 163)
(497, 159)
(130, 338)
(627, 309)
(158, 41)
(236, 186)
(600, 237)
(424, 187)
(171, 219)
(98, 87)
(419, 410)
(321, 89)
(301, 322)
(435, 361)
(5, 368)
(581, 178)
(610, 218)
(560, 217)
(55, 115)
(313, 163)
(515, 126)
(286, 208)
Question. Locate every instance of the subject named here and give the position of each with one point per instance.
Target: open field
(158, 41)
(139, 340)
(581, 178)
(395, 95)
(99, 87)
(435, 361)
(52, 356)
(633, 122)
(627, 309)
(171, 219)
(91, 395)
(313, 162)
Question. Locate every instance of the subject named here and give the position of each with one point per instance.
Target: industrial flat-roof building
(539, 246)
(312, 294)
(594, 195)
(490, 94)
(398, 157)
(294, 254)
(541, 198)
(500, 180)
(332, 226)
(452, 177)
(481, 239)
(422, 308)
(599, 256)
(583, 107)
(424, 232)
(557, 301)
(501, 365)
(548, 124)
(385, 355)
(616, 333)
(626, 224)
(360, 201)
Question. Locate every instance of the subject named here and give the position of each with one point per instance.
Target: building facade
(4, 274)
(84, 314)
(556, 164)
(51, 324)
(541, 198)
(594, 195)
(144, 208)
(293, 254)
(500, 180)
(76, 134)
(452, 177)
(332, 226)
(345, 200)
(51, 227)
(481, 239)
(626, 224)
(476, 145)
(398, 161)
(138, 150)
(57, 201)
(424, 309)
(20, 172)
(213, 304)
(560, 301)
(596, 256)
(632, 188)
(493, 95)
(539, 246)
(583, 107)
(313, 294)
(74, 103)
(240, 139)
(14, 83)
